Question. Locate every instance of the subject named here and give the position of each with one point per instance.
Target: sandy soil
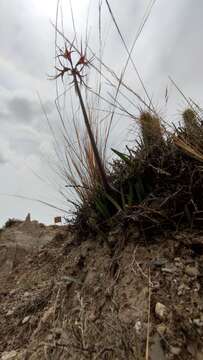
(66, 299)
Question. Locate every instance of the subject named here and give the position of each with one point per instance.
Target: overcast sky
(170, 45)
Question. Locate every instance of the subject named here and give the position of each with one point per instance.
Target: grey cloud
(3, 160)
(22, 108)
(170, 44)
(25, 146)
(24, 40)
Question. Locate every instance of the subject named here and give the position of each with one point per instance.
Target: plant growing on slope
(150, 183)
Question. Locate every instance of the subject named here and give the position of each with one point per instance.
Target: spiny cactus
(190, 120)
(150, 129)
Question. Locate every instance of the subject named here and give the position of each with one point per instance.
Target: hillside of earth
(113, 296)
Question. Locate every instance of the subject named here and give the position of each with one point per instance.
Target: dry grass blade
(188, 101)
(188, 149)
(37, 200)
(127, 50)
(110, 72)
(129, 58)
(80, 171)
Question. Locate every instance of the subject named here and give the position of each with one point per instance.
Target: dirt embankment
(62, 299)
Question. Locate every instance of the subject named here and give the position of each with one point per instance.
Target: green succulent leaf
(122, 156)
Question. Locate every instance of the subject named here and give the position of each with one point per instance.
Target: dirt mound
(73, 300)
(19, 239)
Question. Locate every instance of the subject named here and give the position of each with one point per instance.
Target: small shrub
(12, 222)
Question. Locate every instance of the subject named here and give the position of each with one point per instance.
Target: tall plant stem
(91, 137)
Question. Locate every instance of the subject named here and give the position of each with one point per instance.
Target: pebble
(7, 355)
(50, 337)
(138, 327)
(10, 312)
(178, 263)
(26, 319)
(48, 314)
(175, 350)
(182, 289)
(160, 310)
(12, 292)
(156, 285)
(191, 271)
(198, 322)
(168, 270)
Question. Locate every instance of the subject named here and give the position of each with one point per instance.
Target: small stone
(26, 294)
(48, 314)
(12, 292)
(26, 319)
(58, 331)
(10, 312)
(7, 355)
(160, 310)
(138, 326)
(50, 337)
(191, 271)
(161, 329)
(168, 270)
(177, 259)
(156, 285)
(198, 322)
(182, 289)
(175, 350)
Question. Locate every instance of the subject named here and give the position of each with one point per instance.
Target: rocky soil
(62, 298)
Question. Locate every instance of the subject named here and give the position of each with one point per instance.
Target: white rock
(7, 355)
(175, 350)
(48, 314)
(198, 322)
(26, 319)
(169, 270)
(182, 289)
(12, 292)
(138, 326)
(10, 312)
(160, 310)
